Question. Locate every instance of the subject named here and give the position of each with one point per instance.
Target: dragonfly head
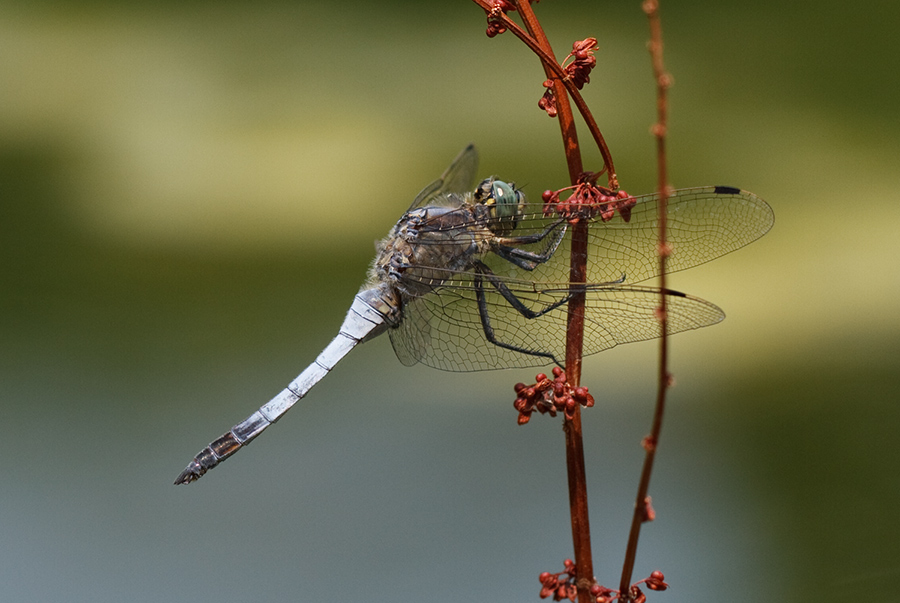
(503, 204)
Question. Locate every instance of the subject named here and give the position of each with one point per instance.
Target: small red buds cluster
(602, 594)
(548, 100)
(655, 581)
(578, 71)
(550, 396)
(588, 200)
(494, 28)
(561, 585)
(503, 6)
(495, 24)
(584, 61)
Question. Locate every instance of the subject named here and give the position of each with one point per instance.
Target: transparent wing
(458, 178)
(445, 328)
(703, 224)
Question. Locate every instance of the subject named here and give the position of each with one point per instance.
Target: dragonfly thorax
(428, 246)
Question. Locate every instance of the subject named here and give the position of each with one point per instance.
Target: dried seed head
(578, 71)
(547, 103)
(656, 581)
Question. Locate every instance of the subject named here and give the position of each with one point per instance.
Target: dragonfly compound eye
(506, 198)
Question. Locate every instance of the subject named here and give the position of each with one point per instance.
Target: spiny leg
(482, 272)
(506, 248)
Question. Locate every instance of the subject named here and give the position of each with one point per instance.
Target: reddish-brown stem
(578, 499)
(566, 120)
(651, 8)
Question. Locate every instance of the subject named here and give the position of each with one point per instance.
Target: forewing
(703, 224)
(458, 178)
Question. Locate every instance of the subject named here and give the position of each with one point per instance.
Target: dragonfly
(474, 277)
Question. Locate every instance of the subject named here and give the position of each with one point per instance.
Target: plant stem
(575, 467)
(566, 120)
(578, 501)
(663, 81)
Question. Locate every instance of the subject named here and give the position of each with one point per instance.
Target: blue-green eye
(506, 199)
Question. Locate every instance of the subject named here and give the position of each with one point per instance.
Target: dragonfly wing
(625, 314)
(411, 339)
(458, 178)
(446, 329)
(703, 224)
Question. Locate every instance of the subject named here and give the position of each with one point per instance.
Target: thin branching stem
(663, 81)
(566, 120)
(558, 75)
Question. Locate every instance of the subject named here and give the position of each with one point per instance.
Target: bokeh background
(189, 193)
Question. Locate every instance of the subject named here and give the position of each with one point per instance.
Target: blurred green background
(189, 193)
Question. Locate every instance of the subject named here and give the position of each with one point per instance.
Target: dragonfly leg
(529, 260)
(534, 238)
(482, 272)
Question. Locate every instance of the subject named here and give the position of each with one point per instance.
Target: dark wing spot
(674, 293)
(727, 190)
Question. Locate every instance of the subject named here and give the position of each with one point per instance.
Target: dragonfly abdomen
(370, 315)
